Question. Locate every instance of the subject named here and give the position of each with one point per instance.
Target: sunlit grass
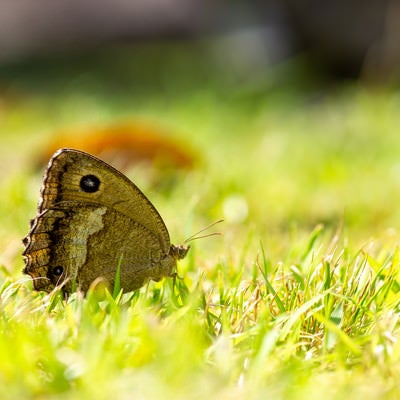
(330, 315)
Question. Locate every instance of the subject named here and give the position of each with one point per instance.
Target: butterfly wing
(91, 218)
(73, 175)
(69, 244)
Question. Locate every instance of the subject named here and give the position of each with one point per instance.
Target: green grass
(324, 325)
(298, 299)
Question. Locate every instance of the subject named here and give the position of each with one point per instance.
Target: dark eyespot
(90, 183)
(58, 270)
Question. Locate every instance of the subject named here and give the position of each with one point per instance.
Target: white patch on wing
(83, 224)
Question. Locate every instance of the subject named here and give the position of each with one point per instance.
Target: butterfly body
(92, 220)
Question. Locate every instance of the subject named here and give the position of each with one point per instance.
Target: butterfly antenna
(196, 235)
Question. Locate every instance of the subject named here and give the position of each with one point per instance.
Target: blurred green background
(282, 136)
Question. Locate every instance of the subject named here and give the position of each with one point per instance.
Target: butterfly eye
(89, 183)
(58, 270)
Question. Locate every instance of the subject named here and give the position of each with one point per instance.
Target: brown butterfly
(92, 220)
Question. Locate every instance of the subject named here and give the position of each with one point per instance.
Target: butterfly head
(178, 252)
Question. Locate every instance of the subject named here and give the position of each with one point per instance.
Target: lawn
(298, 298)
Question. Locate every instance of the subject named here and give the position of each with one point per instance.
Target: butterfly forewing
(64, 181)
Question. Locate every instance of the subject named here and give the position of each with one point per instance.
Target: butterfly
(92, 221)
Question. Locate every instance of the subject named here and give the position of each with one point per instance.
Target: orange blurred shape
(126, 144)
